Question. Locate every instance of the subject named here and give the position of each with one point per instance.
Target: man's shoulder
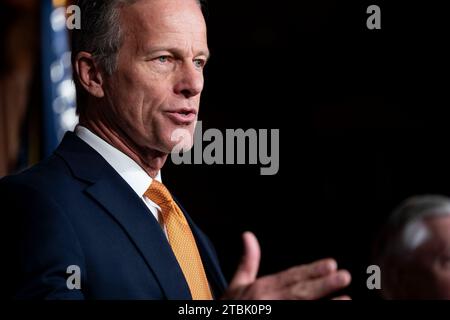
(56, 171)
(42, 175)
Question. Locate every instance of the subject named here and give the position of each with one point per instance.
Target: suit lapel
(114, 194)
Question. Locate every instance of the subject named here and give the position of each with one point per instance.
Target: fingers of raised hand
(308, 282)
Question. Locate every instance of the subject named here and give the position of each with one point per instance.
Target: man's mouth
(182, 116)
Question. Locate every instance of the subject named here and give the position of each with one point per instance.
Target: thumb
(249, 265)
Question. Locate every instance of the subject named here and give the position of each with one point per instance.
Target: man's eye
(199, 63)
(163, 59)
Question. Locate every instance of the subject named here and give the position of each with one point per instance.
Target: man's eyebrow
(206, 53)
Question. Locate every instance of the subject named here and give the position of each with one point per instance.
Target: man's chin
(180, 147)
(181, 139)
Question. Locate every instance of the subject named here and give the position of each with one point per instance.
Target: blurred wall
(19, 57)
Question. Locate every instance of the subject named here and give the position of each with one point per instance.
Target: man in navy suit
(138, 68)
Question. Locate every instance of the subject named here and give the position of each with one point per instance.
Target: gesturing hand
(305, 282)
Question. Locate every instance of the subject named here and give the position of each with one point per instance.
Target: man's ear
(88, 74)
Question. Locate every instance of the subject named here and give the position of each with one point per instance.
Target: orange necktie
(181, 240)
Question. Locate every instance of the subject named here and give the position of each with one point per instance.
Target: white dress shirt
(126, 167)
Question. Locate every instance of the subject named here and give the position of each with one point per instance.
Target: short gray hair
(101, 35)
(407, 219)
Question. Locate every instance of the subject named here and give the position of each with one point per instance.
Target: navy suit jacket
(75, 209)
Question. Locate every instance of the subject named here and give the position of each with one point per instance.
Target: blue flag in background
(59, 90)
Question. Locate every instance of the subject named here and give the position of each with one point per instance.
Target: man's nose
(190, 81)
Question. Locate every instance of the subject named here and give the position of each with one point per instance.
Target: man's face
(156, 88)
(430, 272)
(436, 255)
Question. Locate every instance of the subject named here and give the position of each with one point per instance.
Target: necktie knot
(158, 193)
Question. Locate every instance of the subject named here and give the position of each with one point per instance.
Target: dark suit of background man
(138, 68)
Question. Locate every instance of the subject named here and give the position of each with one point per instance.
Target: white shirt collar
(126, 167)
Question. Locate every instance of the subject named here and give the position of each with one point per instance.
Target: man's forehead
(439, 227)
(180, 29)
(155, 16)
(439, 221)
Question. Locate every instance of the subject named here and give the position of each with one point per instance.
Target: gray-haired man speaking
(98, 206)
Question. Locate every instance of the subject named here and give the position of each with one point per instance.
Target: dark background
(363, 125)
